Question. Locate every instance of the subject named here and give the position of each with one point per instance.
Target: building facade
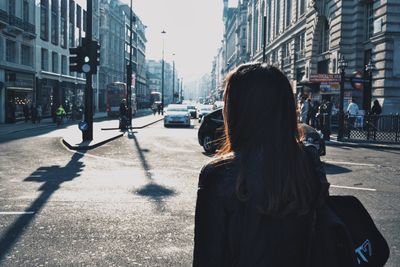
(306, 39)
(154, 79)
(61, 24)
(17, 59)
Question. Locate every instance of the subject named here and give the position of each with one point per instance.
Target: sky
(194, 31)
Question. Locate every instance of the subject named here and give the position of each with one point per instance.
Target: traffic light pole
(88, 134)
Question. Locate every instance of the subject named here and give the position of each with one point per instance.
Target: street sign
(357, 81)
(83, 126)
(325, 78)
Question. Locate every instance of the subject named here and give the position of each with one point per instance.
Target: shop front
(19, 91)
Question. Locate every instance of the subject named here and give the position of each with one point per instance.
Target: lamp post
(369, 68)
(162, 75)
(173, 79)
(129, 71)
(342, 64)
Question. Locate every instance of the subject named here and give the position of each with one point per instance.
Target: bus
(155, 98)
(115, 92)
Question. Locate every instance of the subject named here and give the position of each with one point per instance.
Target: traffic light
(94, 56)
(76, 59)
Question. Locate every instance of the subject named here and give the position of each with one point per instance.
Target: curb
(362, 145)
(88, 147)
(133, 128)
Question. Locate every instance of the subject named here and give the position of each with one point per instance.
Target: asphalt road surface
(131, 202)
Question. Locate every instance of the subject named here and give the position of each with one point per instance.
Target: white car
(204, 110)
(177, 114)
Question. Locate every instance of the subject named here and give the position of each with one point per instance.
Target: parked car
(218, 104)
(204, 110)
(177, 114)
(193, 111)
(211, 134)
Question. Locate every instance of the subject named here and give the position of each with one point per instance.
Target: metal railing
(381, 128)
(15, 21)
(3, 16)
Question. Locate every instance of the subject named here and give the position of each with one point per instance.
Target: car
(177, 114)
(211, 134)
(203, 110)
(218, 104)
(193, 111)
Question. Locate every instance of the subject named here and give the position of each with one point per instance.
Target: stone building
(60, 25)
(306, 38)
(154, 79)
(17, 59)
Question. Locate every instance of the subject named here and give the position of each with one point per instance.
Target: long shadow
(335, 169)
(152, 190)
(51, 177)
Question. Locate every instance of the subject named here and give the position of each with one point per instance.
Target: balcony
(3, 17)
(29, 29)
(16, 25)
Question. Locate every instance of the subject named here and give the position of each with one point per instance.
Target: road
(131, 201)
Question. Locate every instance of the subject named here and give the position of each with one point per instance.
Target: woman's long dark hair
(261, 128)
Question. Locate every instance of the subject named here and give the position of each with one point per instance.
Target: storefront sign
(330, 88)
(325, 78)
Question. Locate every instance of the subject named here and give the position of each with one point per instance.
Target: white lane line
(16, 212)
(350, 163)
(353, 188)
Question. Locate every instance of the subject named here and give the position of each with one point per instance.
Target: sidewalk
(48, 122)
(360, 143)
(104, 132)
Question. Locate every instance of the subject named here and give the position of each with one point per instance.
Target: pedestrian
(254, 200)
(60, 113)
(33, 113)
(154, 108)
(376, 110)
(159, 108)
(352, 111)
(304, 108)
(309, 111)
(39, 113)
(123, 115)
(25, 110)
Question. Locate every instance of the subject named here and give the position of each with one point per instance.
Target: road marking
(351, 163)
(353, 188)
(16, 212)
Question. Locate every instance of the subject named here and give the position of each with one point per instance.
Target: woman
(254, 200)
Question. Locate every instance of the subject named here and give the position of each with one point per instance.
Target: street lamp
(369, 68)
(173, 78)
(342, 65)
(162, 75)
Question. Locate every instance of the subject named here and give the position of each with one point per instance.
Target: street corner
(75, 143)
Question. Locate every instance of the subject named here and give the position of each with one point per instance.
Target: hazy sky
(193, 32)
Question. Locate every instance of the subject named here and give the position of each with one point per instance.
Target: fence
(382, 128)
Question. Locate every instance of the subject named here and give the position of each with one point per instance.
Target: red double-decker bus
(115, 92)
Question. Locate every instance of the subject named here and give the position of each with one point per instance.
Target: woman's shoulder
(217, 169)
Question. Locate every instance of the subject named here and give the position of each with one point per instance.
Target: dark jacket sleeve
(209, 236)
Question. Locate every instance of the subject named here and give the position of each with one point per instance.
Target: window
(11, 7)
(324, 37)
(71, 23)
(369, 15)
(26, 55)
(54, 21)
(301, 7)
(54, 62)
(45, 59)
(11, 51)
(277, 17)
(286, 53)
(25, 11)
(63, 25)
(269, 24)
(255, 32)
(300, 44)
(44, 18)
(78, 16)
(288, 12)
(84, 21)
(64, 64)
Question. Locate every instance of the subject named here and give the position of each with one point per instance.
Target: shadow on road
(335, 169)
(51, 177)
(152, 190)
